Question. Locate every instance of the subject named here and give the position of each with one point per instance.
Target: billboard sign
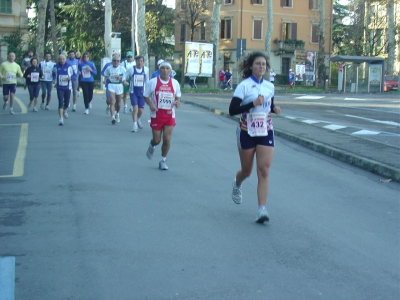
(199, 59)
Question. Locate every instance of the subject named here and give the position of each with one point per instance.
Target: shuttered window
(286, 3)
(313, 4)
(314, 34)
(226, 29)
(182, 39)
(256, 1)
(6, 6)
(257, 29)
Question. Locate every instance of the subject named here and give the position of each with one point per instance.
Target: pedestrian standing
(291, 79)
(254, 100)
(128, 63)
(33, 74)
(136, 83)
(272, 76)
(9, 70)
(221, 75)
(162, 94)
(113, 74)
(26, 63)
(62, 77)
(47, 66)
(192, 82)
(228, 77)
(86, 71)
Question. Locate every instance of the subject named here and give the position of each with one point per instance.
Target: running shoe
(65, 114)
(131, 109)
(5, 105)
(86, 111)
(150, 152)
(73, 107)
(236, 193)
(107, 109)
(139, 124)
(35, 109)
(134, 128)
(117, 118)
(162, 165)
(113, 120)
(11, 111)
(61, 123)
(90, 105)
(30, 104)
(47, 107)
(125, 109)
(262, 216)
(42, 105)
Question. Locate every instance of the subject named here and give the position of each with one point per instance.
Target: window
(287, 3)
(378, 36)
(313, 4)
(228, 1)
(226, 29)
(182, 39)
(257, 2)
(289, 31)
(257, 29)
(314, 33)
(183, 4)
(202, 31)
(6, 6)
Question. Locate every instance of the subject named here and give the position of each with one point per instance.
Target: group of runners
(253, 99)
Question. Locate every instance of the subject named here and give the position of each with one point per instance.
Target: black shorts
(245, 141)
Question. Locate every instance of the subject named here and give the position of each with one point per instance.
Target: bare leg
(264, 156)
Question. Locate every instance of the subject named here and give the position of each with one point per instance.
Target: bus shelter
(360, 74)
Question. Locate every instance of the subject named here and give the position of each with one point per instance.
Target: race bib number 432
(257, 124)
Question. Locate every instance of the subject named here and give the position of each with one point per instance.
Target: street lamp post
(62, 30)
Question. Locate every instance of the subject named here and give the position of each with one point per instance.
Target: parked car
(391, 82)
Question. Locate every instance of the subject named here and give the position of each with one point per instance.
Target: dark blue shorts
(34, 90)
(137, 100)
(245, 141)
(9, 89)
(47, 87)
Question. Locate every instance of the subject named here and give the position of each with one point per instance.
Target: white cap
(290, 70)
(160, 62)
(165, 64)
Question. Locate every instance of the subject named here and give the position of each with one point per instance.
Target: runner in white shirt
(113, 75)
(162, 94)
(47, 69)
(254, 100)
(127, 64)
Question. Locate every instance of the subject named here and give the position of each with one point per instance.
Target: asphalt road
(86, 215)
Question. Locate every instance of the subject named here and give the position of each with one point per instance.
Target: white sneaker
(65, 114)
(150, 152)
(236, 193)
(5, 105)
(162, 165)
(61, 123)
(73, 107)
(125, 109)
(11, 111)
(42, 105)
(139, 124)
(86, 111)
(262, 216)
(30, 104)
(107, 109)
(47, 107)
(35, 109)
(134, 128)
(131, 109)
(117, 118)
(90, 105)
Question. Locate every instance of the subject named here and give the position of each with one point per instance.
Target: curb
(341, 155)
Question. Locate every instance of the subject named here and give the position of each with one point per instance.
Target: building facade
(13, 16)
(243, 25)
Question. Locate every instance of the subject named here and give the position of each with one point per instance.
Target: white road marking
(7, 277)
(310, 97)
(366, 132)
(334, 127)
(356, 99)
(376, 121)
(311, 121)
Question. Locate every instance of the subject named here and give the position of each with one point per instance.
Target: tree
(141, 40)
(321, 51)
(107, 27)
(40, 31)
(15, 43)
(53, 27)
(270, 27)
(214, 39)
(391, 37)
(193, 10)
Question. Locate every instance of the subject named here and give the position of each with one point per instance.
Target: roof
(356, 59)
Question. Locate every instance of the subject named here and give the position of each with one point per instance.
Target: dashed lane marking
(366, 132)
(356, 99)
(334, 127)
(310, 97)
(19, 161)
(376, 121)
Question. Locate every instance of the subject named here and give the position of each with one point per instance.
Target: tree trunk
(133, 27)
(141, 38)
(270, 27)
(40, 31)
(321, 52)
(214, 39)
(53, 29)
(391, 37)
(107, 27)
(367, 42)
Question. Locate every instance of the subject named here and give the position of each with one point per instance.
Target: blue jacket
(61, 73)
(86, 76)
(74, 64)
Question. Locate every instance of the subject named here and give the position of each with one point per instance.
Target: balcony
(288, 46)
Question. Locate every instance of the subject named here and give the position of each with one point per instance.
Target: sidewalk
(378, 158)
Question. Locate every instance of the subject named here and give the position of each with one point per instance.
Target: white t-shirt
(47, 69)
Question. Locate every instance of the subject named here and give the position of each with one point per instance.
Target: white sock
(163, 158)
(134, 123)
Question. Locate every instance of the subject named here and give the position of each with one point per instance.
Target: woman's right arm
(235, 108)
